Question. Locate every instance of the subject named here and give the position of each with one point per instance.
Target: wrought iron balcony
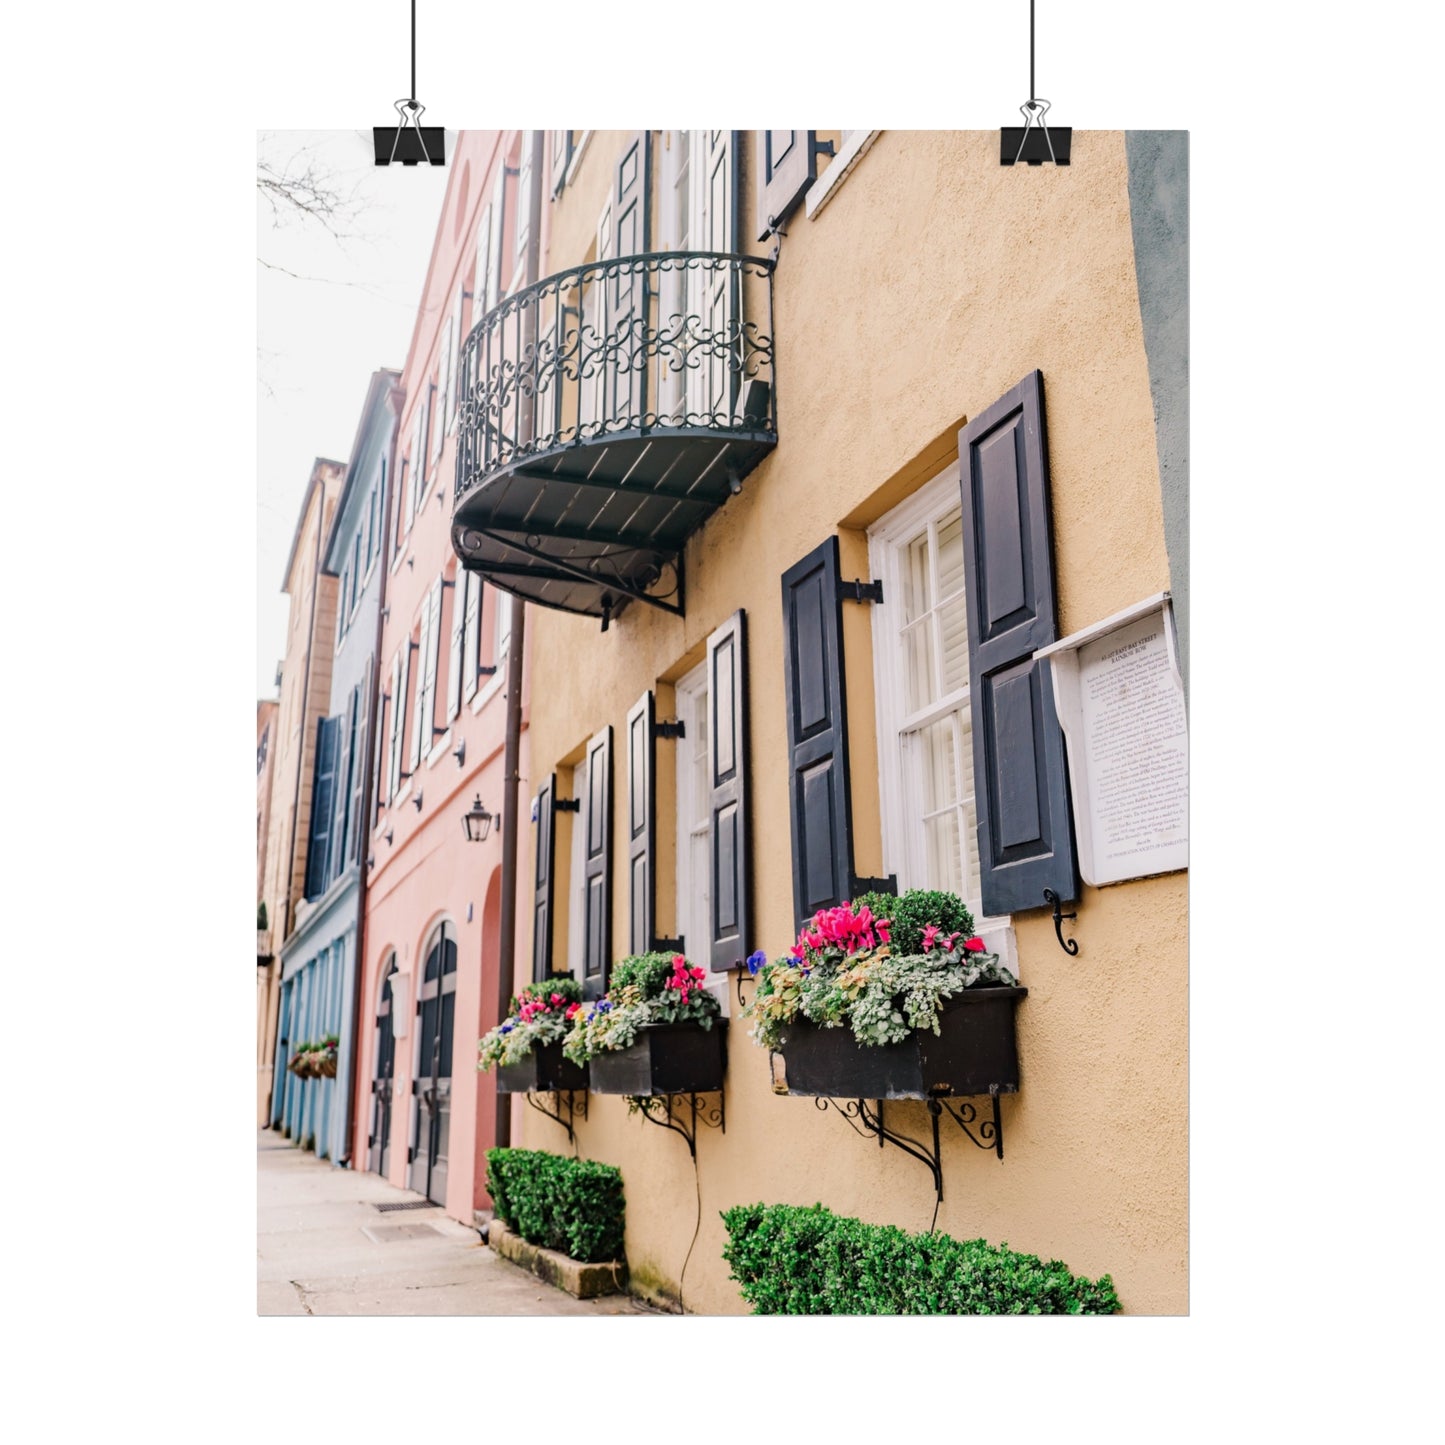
(607, 412)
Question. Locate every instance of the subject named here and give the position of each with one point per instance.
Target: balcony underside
(594, 525)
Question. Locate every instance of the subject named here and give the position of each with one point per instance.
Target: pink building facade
(424, 1115)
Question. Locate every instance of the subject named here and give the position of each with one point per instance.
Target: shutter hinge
(669, 945)
(860, 591)
(410, 1155)
(670, 729)
(876, 885)
(487, 671)
(566, 805)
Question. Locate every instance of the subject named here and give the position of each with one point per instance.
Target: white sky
(320, 338)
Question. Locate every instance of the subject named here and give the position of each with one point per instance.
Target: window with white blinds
(924, 720)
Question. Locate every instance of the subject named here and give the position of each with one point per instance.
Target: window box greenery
(656, 1031)
(902, 1004)
(526, 1047)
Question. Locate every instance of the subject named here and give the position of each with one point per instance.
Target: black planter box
(546, 1070)
(665, 1059)
(974, 1052)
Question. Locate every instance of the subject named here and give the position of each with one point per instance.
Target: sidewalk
(323, 1248)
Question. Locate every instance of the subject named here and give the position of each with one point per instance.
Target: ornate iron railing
(669, 341)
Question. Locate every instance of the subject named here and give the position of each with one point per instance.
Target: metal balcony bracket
(864, 1121)
(564, 1109)
(582, 575)
(681, 1113)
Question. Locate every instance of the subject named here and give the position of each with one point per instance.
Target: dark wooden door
(432, 1082)
(381, 1084)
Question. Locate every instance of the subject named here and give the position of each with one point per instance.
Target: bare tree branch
(299, 190)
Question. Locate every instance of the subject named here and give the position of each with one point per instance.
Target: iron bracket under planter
(856, 1112)
(556, 1114)
(659, 1109)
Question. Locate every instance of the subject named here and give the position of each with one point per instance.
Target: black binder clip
(1033, 143)
(410, 142)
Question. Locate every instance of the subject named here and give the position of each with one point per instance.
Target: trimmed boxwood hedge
(571, 1205)
(796, 1261)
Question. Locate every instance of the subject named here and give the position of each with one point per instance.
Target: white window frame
(693, 902)
(854, 145)
(888, 539)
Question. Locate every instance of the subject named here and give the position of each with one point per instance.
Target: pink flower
(930, 932)
(884, 925)
(974, 945)
(678, 961)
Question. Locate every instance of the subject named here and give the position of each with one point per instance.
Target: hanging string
(413, 45)
(1033, 93)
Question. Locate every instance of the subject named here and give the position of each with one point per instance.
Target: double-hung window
(925, 734)
(694, 824)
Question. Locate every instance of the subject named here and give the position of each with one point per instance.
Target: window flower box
(545, 1070)
(974, 1052)
(680, 1058)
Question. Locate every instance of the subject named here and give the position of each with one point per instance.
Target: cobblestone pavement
(323, 1248)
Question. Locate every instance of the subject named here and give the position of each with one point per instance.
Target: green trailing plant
(849, 969)
(261, 915)
(574, 1206)
(539, 1015)
(810, 1261)
(648, 988)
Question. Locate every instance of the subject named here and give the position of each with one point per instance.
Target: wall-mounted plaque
(1120, 700)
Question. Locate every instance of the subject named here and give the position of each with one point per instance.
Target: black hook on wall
(1069, 945)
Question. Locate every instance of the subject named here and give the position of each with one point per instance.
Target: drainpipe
(512, 755)
(511, 786)
(365, 822)
(300, 767)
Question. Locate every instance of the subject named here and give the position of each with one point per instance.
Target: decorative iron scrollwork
(681, 1113)
(666, 340)
(561, 1113)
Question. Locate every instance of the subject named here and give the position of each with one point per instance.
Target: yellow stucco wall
(930, 284)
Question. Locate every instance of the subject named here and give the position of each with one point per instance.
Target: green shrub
(571, 1205)
(911, 912)
(647, 971)
(797, 1261)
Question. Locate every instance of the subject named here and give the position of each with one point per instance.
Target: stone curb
(584, 1281)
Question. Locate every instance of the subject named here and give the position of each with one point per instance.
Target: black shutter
(727, 693)
(542, 879)
(1025, 832)
(358, 767)
(596, 818)
(327, 729)
(821, 807)
(642, 824)
(787, 166)
(341, 793)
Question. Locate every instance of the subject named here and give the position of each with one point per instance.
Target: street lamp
(477, 822)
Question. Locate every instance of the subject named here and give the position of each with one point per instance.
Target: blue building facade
(319, 962)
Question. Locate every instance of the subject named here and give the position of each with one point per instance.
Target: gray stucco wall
(1159, 211)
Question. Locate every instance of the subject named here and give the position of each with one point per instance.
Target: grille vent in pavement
(405, 1204)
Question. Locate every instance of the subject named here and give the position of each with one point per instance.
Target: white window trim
(886, 539)
(691, 693)
(576, 160)
(855, 145)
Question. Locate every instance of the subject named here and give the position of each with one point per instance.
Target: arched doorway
(379, 1159)
(436, 1001)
